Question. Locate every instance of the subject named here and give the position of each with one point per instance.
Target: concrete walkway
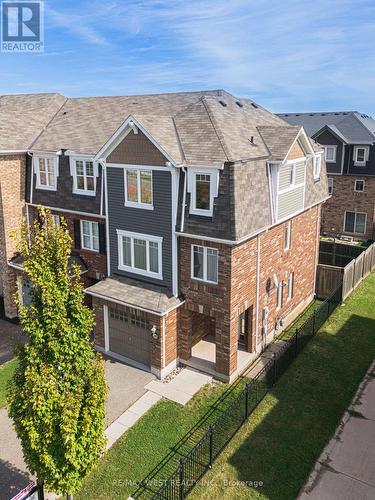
(10, 336)
(346, 468)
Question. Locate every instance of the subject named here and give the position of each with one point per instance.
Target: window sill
(330, 161)
(141, 272)
(90, 250)
(204, 281)
(46, 188)
(359, 164)
(203, 213)
(142, 206)
(84, 193)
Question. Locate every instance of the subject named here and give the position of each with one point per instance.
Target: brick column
(185, 333)
(226, 339)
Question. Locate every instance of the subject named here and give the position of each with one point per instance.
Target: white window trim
(56, 219)
(355, 186)
(290, 287)
(317, 166)
(330, 181)
(92, 249)
(36, 159)
(214, 188)
(335, 153)
(361, 213)
(292, 186)
(73, 173)
(288, 243)
(134, 270)
(138, 204)
(204, 280)
(279, 296)
(358, 163)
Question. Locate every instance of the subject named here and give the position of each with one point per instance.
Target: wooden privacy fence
(328, 278)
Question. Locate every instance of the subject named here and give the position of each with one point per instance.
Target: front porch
(214, 346)
(203, 358)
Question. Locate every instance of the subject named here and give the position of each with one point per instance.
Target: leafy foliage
(58, 392)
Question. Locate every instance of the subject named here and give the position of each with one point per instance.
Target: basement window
(359, 186)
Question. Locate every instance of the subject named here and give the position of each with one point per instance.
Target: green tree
(57, 395)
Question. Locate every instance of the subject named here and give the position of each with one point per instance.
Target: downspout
(32, 176)
(317, 241)
(163, 343)
(257, 294)
(104, 166)
(183, 201)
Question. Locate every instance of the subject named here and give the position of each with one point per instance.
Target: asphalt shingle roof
(279, 140)
(351, 127)
(136, 293)
(24, 116)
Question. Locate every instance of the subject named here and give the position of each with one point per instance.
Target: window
(138, 188)
(202, 191)
(360, 155)
(330, 185)
(141, 254)
(292, 175)
(287, 235)
(317, 162)
(84, 178)
(359, 186)
(204, 263)
(355, 222)
(90, 235)
(290, 285)
(279, 297)
(46, 173)
(56, 220)
(330, 154)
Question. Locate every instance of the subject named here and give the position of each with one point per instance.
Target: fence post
(247, 388)
(296, 342)
(274, 369)
(181, 478)
(313, 325)
(211, 435)
(329, 308)
(40, 491)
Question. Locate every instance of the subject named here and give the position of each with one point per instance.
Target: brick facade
(12, 212)
(237, 287)
(343, 199)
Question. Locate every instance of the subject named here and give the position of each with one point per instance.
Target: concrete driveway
(126, 386)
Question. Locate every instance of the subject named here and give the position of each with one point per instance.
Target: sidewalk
(346, 468)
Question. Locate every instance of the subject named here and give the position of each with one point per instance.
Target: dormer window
(330, 154)
(361, 154)
(84, 175)
(46, 172)
(203, 187)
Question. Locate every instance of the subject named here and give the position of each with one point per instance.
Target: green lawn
(283, 437)
(6, 372)
(286, 434)
(307, 313)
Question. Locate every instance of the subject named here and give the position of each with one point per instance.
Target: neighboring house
(22, 119)
(195, 219)
(349, 143)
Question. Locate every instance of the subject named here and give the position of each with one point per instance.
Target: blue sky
(288, 55)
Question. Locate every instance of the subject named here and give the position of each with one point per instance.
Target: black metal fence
(201, 457)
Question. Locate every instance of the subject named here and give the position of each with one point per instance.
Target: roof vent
(311, 114)
(298, 114)
(254, 105)
(224, 104)
(323, 114)
(252, 139)
(337, 114)
(239, 104)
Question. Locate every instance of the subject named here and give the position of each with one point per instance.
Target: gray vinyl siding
(326, 138)
(290, 202)
(157, 222)
(351, 169)
(284, 175)
(63, 197)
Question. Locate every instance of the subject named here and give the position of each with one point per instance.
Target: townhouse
(348, 139)
(195, 219)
